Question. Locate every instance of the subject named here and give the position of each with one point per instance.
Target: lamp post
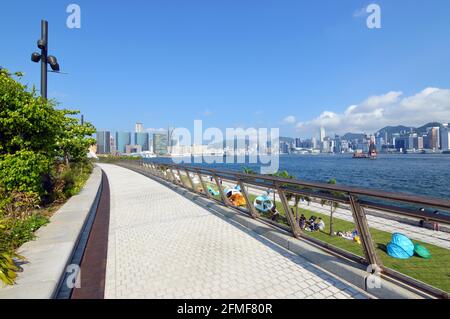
(44, 58)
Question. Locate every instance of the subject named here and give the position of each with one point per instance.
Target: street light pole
(44, 53)
(44, 58)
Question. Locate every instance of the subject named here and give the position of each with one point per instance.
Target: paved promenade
(162, 245)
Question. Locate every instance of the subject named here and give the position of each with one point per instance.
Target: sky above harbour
(292, 64)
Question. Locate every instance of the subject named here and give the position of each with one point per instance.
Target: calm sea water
(420, 174)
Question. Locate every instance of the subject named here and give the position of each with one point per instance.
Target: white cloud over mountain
(289, 119)
(392, 108)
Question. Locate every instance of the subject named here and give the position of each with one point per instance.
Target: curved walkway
(162, 245)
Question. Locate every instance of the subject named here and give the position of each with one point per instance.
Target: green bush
(24, 171)
(42, 159)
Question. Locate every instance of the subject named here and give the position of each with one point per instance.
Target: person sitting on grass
(302, 222)
(310, 223)
(274, 213)
(319, 225)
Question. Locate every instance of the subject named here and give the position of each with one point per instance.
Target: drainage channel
(90, 254)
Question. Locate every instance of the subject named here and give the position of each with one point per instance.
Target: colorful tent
(421, 251)
(212, 191)
(400, 247)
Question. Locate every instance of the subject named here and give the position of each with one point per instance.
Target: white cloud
(289, 119)
(392, 108)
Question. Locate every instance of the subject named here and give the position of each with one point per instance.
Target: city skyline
(433, 137)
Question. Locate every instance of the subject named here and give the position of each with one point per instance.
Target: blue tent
(212, 191)
(400, 247)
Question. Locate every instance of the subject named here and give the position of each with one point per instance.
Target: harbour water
(419, 174)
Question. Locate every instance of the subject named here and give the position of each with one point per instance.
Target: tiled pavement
(161, 245)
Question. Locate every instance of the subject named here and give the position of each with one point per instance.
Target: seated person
(310, 223)
(302, 221)
(274, 213)
(319, 225)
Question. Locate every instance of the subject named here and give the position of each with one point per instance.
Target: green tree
(75, 138)
(333, 204)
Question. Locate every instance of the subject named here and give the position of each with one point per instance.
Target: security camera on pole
(44, 58)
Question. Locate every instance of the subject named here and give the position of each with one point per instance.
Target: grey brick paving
(161, 245)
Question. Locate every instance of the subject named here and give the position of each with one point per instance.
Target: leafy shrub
(42, 159)
(23, 171)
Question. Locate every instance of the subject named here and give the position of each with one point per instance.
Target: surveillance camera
(35, 57)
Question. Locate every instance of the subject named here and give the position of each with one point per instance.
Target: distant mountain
(400, 129)
(353, 136)
(423, 129)
(390, 130)
(288, 140)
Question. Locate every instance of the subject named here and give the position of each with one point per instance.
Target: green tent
(421, 251)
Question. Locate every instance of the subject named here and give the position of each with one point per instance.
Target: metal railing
(356, 198)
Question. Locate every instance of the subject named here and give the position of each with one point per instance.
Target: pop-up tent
(400, 247)
(212, 191)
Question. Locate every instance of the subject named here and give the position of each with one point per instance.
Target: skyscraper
(142, 139)
(433, 136)
(445, 141)
(160, 144)
(122, 140)
(322, 134)
(103, 142)
(139, 128)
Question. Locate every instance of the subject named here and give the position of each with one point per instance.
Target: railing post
(190, 180)
(181, 178)
(287, 209)
(222, 194)
(172, 176)
(363, 230)
(205, 188)
(250, 207)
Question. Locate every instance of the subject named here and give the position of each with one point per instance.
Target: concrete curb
(48, 256)
(345, 269)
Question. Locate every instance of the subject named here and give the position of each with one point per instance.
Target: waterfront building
(112, 143)
(122, 140)
(314, 143)
(322, 134)
(138, 128)
(445, 142)
(103, 142)
(130, 149)
(433, 137)
(160, 144)
(142, 139)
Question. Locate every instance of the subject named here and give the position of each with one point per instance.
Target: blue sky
(240, 63)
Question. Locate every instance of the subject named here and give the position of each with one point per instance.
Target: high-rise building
(103, 142)
(433, 136)
(445, 142)
(160, 144)
(142, 139)
(139, 128)
(130, 149)
(322, 134)
(122, 140)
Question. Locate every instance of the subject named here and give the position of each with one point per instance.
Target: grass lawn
(434, 271)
